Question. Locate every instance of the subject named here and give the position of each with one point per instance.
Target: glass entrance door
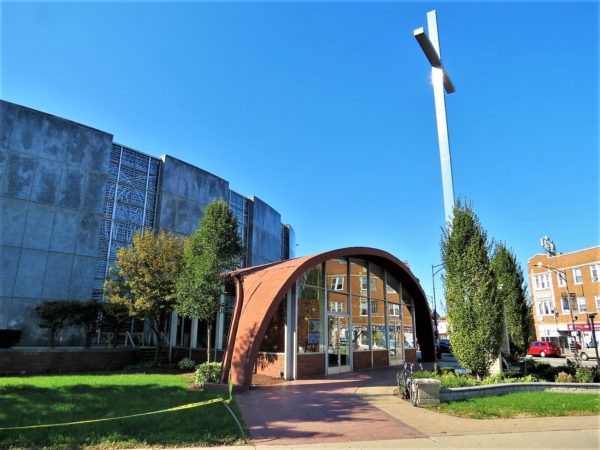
(338, 355)
(396, 341)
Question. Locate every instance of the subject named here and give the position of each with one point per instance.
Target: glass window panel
(407, 326)
(358, 273)
(393, 289)
(377, 277)
(360, 323)
(336, 273)
(310, 319)
(337, 302)
(313, 276)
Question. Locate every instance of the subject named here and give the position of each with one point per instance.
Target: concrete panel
(38, 227)
(46, 181)
(64, 230)
(57, 133)
(89, 148)
(30, 274)
(82, 278)
(95, 186)
(23, 317)
(88, 235)
(168, 211)
(266, 233)
(3, 161)
(170, 174)
(188, 215)
(13, 214)
(8, 113)
(20, 173)
(70, 193)
(4, 311)
(27, 135)
(9, 261)
(58, 276)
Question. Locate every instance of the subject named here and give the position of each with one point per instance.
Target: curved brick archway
(260, 290)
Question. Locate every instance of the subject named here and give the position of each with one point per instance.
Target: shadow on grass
(22, 405)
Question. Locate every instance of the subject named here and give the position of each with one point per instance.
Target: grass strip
(523, 404)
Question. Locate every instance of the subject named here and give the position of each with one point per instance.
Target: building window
(545, 307)
(581, 304)
(336, 306)
(542, 281)
(595, 273)
(565, 305)
(562, 279)
(337, 283)
(577, 276)
(597, 298)
(394, 309)
(364, 308)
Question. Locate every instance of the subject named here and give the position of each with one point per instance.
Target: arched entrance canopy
(260, 289)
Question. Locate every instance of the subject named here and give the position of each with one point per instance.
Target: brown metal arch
(260, 290)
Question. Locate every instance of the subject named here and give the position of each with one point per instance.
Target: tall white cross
(441, 81)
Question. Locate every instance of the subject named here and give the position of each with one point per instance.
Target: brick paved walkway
(321, 411)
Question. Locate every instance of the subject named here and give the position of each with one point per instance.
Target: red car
(542, 348)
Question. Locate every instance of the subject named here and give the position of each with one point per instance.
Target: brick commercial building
(70, 197)
(342, 310)
(565, 289)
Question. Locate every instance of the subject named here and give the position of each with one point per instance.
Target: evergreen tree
(214, 248)
(474, 313)
(512, 294)
(144, 276)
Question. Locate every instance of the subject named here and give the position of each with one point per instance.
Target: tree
(474, 312)
(55, 315)
(144, 276)
(113, 316)
(86, 315)
(513, 296)
(214, 248)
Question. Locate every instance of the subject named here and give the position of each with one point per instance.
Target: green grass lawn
(55, 399)
(524, 404)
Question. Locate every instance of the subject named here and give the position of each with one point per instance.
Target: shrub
(584, 375)
(445, 370)
(564, 377)
(451, 380)
(208, 373)
(496, 379)
(186, 364)
(55, 315)
(423, 374)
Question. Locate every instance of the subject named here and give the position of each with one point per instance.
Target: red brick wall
(361, 360)
(311, 365)
(270, 364)
(410, 355)
(198, 354)
(381, 358)
(20, 362)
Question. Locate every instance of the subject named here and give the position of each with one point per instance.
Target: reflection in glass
(338, 353)
(336, 272)
(377, 277)
(407, 322)
(360, 323)
(313, 276)
(337, 303)
(358, 276)
(310, 319)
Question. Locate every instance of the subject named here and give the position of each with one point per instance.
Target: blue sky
(325, 110)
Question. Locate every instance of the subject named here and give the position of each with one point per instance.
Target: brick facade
(57, 360)
(311, 365)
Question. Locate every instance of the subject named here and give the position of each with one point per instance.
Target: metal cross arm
(433, 57)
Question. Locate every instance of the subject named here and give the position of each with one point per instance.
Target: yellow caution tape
(176, 408)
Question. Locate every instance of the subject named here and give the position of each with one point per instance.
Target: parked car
(588, 351)
(442, 346)
(543, 348)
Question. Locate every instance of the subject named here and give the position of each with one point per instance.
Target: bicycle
(404, 380)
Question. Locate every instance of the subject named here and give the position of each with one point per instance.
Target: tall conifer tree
(474, 312)
(214, 248)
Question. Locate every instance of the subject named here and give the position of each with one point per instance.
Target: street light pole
(441, 82)
(562, 275)
(433, 274)
(591, 318)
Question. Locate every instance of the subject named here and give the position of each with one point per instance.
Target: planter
(8, 338)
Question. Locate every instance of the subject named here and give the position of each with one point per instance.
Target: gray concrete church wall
(265, 240)
(52, 180)
(185, 191)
